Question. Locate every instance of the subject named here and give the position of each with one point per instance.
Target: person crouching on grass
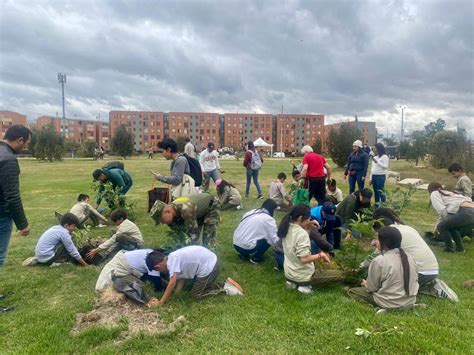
(229, 197)
(127, 236)
(392, 278)
(300, 271)
(192, 263)
(56, 244)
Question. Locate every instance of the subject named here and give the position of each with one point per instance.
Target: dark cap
(210, 145)
(330, 211)
(366, 194)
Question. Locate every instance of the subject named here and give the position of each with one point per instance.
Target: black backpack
(194, 170)
(114, 165)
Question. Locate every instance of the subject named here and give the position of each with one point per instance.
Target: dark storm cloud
(337, 58)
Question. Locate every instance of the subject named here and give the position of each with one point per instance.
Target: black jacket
(10, 200)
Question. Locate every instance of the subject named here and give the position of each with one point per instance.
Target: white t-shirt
(255, 225)
(192, 261)
(381, 166)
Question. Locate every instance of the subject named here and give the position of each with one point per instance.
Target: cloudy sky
(332, 57)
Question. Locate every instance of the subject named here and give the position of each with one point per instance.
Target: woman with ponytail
(455, 212)
(300, 271)
(392, 278)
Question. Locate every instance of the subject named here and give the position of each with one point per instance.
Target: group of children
(401, 267)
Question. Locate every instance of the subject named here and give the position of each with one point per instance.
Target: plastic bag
(131, 287)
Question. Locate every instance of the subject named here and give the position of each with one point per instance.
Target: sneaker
(31, 261)
(380, 311)
(101, 226)
(55, 265)
(260, 197)
(239, 207)
(291, 285)
(6, 309)
(444, 291)
(256, 262)
(305, 289)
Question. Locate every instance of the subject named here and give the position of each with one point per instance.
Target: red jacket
(248, 158)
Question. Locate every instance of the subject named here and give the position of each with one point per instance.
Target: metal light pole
(62, 81)
(402, 107)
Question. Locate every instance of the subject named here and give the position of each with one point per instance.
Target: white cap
(357, 143)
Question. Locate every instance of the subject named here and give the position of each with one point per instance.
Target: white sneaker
(31, 261)
(55, 265)
(291, 285)
(101, 226)
(305, 289)
(232, 288)
(444, 291)
(380, 311)
(239, 207)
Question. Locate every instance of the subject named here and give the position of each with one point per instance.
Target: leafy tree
(418, 147)
(48, 144)
(318, 145)
(87, 149)
(340, 142)
(32, 142)
(448, 147)
(434, 127)
(390, 141)
(122, 143)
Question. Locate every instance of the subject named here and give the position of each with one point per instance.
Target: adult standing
(314, 174)
(209, 159)
(357, 167)
(378, 173)
(11, 208)
(253, 163)
(189, 149)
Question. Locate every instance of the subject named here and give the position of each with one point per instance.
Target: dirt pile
(112, 310)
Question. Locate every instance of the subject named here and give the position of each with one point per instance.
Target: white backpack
(256, 161)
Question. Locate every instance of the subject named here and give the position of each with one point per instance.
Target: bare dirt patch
(112, 310)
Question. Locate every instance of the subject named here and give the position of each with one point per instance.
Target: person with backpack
(209, 160)
(121, 181)
(253, 163)
(191, 214)
(185, 171)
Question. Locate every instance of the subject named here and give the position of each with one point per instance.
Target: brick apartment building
(368, 129)
(239, 128)
(79, 130)
(10, 118)
(200, 127)
(297, 130)
(146, 127)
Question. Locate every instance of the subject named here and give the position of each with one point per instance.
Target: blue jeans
(260, 249)
(6, 226)
(252, 173)
(352, 182)
(378, 183)
(207, 178)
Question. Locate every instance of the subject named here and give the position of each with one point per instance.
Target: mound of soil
(112, 310)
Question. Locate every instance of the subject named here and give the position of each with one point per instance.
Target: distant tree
(340, 142)
(404, 149)
(448, 147)
(418, 148)
(122, 143)
(390, 141)
(33, 140)
(48, 144)
(434, 127)
(87, 149)
(317, 145)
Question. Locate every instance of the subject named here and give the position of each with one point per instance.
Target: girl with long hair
(392, 278)
(300, 272)
(455, 212)
(378, 173)
(229, 197)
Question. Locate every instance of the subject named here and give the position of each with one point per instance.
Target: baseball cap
(330, 211)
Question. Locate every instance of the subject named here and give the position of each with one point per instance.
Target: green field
(269, 318)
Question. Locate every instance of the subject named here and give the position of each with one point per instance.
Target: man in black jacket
(11, 208)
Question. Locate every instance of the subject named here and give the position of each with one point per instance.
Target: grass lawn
(269, 318)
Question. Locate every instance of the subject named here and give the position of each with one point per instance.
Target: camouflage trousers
(208, 225)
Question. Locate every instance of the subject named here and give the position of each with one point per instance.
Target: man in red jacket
(11, 208)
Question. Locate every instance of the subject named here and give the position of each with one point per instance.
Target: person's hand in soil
(92, 253)
(324, 257)
(363, 283)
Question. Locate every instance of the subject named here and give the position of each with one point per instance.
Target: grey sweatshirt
(44, 250)
(178, 168)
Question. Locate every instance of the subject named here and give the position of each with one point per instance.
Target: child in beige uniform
(392, 280)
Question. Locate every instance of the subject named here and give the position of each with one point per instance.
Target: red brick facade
(9, 118)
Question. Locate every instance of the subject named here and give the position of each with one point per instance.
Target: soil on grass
(112, 310)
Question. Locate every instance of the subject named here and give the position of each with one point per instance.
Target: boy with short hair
(463, 184)
(84, 211)
(279, 194)
(334, 193)
(127, 236)
(56, 244)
